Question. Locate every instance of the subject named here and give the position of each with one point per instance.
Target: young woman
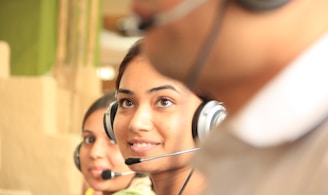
(154, 117)
(98, 154)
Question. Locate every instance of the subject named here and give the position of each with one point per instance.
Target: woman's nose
(98, 149)
(141, 119)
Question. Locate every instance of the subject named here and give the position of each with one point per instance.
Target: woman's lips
(140, 147)
(96, 171)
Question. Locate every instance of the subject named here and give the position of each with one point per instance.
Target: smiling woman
(154, 118)
(100, 160)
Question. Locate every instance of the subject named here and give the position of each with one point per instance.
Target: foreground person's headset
(262, 5)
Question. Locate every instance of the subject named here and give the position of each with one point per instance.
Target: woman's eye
(89, 140)
(126, 103)
(164, 102)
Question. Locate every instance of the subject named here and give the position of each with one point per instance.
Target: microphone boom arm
(170, 154)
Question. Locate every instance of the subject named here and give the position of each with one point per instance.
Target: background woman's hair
(134, 51)
(100, 103)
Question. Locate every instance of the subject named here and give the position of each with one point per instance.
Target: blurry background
(56, 58)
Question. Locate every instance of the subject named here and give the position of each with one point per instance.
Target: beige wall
(40, 123)
(114, 7)
(39, 130)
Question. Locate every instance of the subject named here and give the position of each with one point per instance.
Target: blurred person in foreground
(267, 61)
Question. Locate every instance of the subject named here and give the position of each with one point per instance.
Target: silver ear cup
(109, 120)
(76, 156)
(210, 116)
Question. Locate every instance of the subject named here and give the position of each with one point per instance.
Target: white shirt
(291, 104)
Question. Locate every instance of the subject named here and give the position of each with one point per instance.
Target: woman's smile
(141, 147)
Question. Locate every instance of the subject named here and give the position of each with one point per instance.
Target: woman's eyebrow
(163, 87)
(125, 91)
(86, 131)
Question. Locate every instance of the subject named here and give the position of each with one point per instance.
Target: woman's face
(98, 153)
(154, 117)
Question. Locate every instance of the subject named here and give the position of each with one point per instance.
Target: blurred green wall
(30, 28)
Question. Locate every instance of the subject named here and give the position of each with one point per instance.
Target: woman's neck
(172, 181)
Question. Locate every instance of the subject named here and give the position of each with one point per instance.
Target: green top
(138, 186)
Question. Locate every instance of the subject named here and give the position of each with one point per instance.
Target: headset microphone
(108, 174)
(130, 161)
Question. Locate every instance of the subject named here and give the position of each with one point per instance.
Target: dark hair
(102, 102)
(134, 51)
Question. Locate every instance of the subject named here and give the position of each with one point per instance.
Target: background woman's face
(154, 117)
(98, 153)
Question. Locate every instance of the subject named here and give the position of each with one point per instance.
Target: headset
(106, 174)
(76, 156)
(208, 115)
(262, 5)
(135, 26)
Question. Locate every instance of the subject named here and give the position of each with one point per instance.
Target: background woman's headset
(76, 156)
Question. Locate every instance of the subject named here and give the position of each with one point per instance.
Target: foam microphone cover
(131, 161)
(107, 174)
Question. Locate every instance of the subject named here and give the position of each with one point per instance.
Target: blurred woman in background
(100, 160)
